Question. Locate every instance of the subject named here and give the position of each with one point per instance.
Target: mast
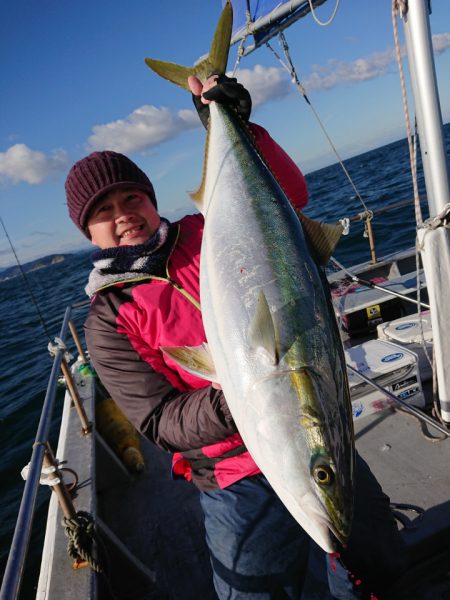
(434, 235)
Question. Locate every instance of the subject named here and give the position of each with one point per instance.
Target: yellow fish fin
(322, 236)
(196, 360)
(261, 331)
(215, 61)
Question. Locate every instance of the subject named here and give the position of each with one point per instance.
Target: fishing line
(27, 284)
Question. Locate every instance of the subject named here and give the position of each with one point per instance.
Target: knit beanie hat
(97, 174)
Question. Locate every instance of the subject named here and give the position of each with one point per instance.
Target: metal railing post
(86, 425)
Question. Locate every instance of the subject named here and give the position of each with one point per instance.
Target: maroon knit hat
(97, 174)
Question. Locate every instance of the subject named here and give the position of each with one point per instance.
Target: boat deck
(160, 520)
(162, 523)
(168, 533)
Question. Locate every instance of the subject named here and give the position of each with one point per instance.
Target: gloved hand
(226, 91)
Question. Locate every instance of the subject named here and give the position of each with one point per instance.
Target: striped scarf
(121, 263)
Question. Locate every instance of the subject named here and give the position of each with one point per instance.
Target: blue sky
(73, 80)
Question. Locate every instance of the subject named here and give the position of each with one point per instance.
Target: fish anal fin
(196, 360)
(261, 332)
(323, 237)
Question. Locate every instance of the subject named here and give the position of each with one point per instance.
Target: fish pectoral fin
(261, 331)
(215, 62)
(196, 360)
(322, 236)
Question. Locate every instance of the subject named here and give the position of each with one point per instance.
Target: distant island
(33, 265)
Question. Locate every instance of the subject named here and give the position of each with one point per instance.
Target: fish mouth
(341, 537)
(334, 494)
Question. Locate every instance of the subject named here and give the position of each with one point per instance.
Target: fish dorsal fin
(323, 237)
(215, 62)
(198, 196)
(196, 360)
(261, 331)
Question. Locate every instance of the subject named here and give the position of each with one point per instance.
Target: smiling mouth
(130, 232)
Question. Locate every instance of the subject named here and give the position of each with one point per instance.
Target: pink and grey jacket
(129, 321)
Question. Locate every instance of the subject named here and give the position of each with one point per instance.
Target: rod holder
(64, 499)
(86, 425)
(371, 238)
(76, 339)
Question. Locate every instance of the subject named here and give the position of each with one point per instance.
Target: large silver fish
(271, 330)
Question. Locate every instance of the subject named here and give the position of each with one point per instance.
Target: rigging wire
(27, 283)
(398, 6)
(249, 23)
(290, 68)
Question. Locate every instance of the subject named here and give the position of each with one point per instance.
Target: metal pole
(415, 411)
(16, 560)
(429, 118)
(278, 13)
(371, 238)
(64, 499)
(76, 339)
(86, 426)
(434, 242)
(374, 286)
(12, 579)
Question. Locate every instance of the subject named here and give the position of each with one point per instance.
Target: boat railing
(366, 216)
(42, 456)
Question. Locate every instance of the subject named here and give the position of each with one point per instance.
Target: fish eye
(323, 475)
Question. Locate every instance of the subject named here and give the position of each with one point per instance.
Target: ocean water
(382, 177)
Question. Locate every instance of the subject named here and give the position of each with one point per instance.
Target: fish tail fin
(214, 62)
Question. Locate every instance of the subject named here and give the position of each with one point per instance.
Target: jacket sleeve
(174, 420)
(283, 167)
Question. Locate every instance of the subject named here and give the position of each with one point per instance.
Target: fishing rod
(374, 286)
(415, 411)
(26, 282)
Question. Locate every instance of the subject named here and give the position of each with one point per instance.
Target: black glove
(227, 91)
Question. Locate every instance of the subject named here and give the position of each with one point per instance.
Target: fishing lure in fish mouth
(273, 343)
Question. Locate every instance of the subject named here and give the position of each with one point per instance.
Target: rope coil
(82, 535)
(440, 220)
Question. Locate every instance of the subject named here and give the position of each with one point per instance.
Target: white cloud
(264, 83)
(145, 127)
(441, 42)
(20, 163)
(149, 125)
(362, 69)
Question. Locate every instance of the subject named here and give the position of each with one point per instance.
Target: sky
(73, 80)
